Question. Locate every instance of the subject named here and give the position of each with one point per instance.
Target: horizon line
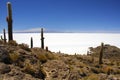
(62, 32)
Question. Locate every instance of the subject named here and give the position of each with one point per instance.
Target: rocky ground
(19, 62)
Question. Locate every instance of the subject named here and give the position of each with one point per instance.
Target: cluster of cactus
(9, 21)
(42, 39)
(10, 31)
(101, 53)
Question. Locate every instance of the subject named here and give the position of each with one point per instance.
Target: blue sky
(63, 15)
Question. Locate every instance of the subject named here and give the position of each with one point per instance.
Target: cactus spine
(31, 42)
(4, 35)
(9, 21)
(42, 39)
(101, 53)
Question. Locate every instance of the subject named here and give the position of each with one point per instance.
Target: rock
(112, 77)
(4, 68)
(74, 76)
(4, 55)
(102, 76)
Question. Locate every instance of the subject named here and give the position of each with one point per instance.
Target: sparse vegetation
(14, 57)
(42, 58)
(28, 68)
(19, 62)
(42, 64)
(24, 46)
(12, 43)
(92, 77)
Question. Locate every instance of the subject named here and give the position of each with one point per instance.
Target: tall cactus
(101, 53)
(9, 21)
(4, 35)
(42, 39)
(31, 42)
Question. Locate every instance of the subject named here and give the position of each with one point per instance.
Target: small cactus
(101, 53)
(1, 37)
(31, 42)
(46, 48)
(42, 39)
(4, 35)
(9, 21)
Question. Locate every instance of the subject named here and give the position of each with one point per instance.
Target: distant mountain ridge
(37, 30)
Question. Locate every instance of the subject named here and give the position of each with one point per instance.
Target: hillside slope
(19, 62)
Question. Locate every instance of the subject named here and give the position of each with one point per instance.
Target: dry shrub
(79, 57)
(25, 47)
(71, 67)
(92, 77)
(42, 58)
(118, 63)
(107, 69)
(43, 55)
(28, 68)
(56, 56)
(81, 65)
(35, 70)
(95, 70)
(115, 71)
(83, 72)
(14, 57)
(69, 62)
(50, 56)
(12, 43)
(1, 42)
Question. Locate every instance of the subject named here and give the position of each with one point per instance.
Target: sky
(63, 15)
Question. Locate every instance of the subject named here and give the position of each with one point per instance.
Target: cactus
(1, 37)
(31, 42)
(9, 21)
(46, 48)
(42, 39)
(4, 35)
(101, 53)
